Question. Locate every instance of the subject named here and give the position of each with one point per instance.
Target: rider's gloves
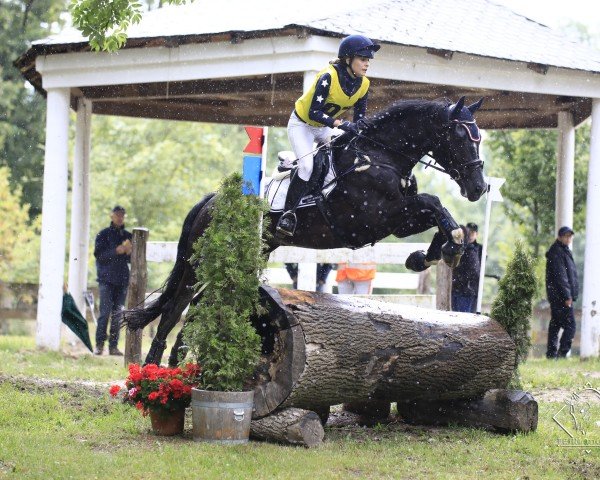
(364, 125)
(349, 127)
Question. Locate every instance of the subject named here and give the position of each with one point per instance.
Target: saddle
(325, 174)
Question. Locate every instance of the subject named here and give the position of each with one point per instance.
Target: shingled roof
(477, 27)
(431, 49)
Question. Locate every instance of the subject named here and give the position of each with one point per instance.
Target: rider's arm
(316, 112)
(360, 107)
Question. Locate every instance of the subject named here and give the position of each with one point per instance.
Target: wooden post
(443, 287)
(137, 292)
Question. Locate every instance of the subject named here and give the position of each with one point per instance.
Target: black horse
(369, 203)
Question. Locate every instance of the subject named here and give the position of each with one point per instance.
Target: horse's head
(457, 149)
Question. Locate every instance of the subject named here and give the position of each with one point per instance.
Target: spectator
(465, 276)
(323, 270)
(355, 278)
(113, 253)
(562, 288)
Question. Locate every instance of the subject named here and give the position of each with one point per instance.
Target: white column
(309, 78)
(565, 170)
(590, 322)
(54, 220)
(80, 205)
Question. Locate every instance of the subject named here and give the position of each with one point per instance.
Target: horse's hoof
(452, 252)
(416, 261)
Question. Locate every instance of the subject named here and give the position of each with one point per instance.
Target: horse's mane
(409, 109)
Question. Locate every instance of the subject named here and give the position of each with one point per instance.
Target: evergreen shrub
(229, 261)
(513, 305)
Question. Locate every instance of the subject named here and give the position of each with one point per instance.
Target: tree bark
(290, 425)
(503, 410)
(326, 350)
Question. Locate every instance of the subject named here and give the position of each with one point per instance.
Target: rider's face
(359, 66)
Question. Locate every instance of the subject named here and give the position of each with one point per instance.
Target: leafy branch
(105, 22)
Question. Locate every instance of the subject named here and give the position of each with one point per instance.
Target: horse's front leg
(448, 241)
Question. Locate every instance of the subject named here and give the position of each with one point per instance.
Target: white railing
(307, 259)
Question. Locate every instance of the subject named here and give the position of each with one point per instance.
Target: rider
(338, 87)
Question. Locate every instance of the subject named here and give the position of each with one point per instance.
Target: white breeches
(303, 136)
(357, 288)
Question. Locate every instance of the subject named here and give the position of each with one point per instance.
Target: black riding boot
(287, 222)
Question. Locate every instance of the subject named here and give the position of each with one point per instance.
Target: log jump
(321, 350)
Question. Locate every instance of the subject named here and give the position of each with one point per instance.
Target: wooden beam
(137, 292)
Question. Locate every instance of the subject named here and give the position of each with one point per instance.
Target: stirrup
(287, 224)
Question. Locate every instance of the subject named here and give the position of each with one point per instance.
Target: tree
(512, 307)
(527, 159)
(229, 262)
(19, 247)
(158, 170)
(22, 111)
(106, 23)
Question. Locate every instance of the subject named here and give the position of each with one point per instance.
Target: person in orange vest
(355, 278)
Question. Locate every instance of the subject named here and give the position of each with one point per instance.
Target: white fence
(307, 259)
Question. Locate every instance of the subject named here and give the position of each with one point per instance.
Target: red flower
(114, 389)
(135, 373)
(159, 387)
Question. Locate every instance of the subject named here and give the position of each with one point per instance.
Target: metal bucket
(221, 417)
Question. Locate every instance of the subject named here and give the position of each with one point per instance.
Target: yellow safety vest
(336, 103)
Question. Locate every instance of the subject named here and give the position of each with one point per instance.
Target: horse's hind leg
(170, 317)
(178, 351)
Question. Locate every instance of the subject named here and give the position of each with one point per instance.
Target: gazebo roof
(459, 32)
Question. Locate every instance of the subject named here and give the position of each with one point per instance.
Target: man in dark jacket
(562, 288)
(465, 276)
(113, 253)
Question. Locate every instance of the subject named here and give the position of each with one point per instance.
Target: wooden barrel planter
(322, 349)
(221, 417)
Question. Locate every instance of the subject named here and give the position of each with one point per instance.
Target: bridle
(456, 173)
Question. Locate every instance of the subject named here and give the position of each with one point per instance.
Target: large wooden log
(502, 410)
(294, 426)
(324, 349)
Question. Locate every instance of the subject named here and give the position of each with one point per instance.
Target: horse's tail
(138, 318)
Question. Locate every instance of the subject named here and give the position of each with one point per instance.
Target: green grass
(18, 356)
(564, 373)
(72, 433)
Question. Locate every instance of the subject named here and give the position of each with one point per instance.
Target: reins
(474, 163)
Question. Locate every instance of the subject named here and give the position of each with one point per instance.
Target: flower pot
(167, 423)
(221, 417)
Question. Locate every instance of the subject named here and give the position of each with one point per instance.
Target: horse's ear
(473, 108)
(455, 112)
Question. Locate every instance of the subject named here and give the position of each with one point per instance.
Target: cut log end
(293, 426)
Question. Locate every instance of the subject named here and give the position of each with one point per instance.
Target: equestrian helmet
(357, 46)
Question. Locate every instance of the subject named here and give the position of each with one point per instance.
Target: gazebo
(247, 62)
